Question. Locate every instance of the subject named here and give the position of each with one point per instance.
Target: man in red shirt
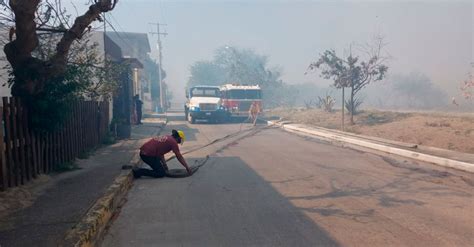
(153, 151)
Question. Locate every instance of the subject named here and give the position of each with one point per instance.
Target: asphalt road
(265, 187)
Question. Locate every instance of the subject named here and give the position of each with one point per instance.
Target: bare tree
(467, 87)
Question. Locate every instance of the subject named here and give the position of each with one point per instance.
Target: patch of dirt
(452, 131)
(18, 198)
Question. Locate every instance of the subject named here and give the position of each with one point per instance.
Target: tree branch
(77, 30)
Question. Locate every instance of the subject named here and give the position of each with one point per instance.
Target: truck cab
(204, 103)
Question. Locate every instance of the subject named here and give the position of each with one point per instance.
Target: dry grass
(454, 131)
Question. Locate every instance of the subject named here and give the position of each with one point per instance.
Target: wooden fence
(25, 154)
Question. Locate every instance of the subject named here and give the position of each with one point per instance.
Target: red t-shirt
(159, 146)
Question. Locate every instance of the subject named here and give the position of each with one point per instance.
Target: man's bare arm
(183, 162)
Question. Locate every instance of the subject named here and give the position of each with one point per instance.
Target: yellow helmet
(182, 136)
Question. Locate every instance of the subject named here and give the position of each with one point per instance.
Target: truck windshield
(205, 92)
(244, 94)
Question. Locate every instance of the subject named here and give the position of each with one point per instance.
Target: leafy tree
(417, 91)
(31, 72)
(206, 73)
(234, 65)
(37, 75)
(351, 71)
(245, 66)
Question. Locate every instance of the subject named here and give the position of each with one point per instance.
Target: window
(244, 94)
(205, 92)
(253, 94)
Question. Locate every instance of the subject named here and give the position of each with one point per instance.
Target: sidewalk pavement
(441, 157)
(66, 197)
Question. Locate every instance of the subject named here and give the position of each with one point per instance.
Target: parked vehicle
(204, 102)
(237, 98)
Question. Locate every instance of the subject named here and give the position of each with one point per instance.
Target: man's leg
(254, 118)
(155, 163)
(139, 117)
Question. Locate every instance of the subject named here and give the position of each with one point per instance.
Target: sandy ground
(443, 130)
(21, 197)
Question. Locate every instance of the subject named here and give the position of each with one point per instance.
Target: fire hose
(182, 173)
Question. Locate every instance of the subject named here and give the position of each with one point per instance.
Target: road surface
(265, 187)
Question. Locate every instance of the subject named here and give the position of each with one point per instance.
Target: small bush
(436, 124)
(109, 139)
(326, 103)
(86, 154)
(353, 108)
(309, 104)
(67, 167)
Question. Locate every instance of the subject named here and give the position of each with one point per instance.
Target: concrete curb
(445, 162)
(89, 231)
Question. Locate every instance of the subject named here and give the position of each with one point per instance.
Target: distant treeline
(413, 91)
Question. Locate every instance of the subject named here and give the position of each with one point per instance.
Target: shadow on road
(226, 200)
(420, 184)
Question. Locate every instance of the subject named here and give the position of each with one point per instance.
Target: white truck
(204, 102)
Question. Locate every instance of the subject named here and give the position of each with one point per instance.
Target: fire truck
(237, 98)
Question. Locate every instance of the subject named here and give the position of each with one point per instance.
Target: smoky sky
(430, 37)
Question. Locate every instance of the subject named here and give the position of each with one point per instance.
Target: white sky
(432, 37)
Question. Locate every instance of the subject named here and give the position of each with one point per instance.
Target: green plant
(46, 73)
(309, 104)
(86, 154)
(353, 71)
(352, 107)
(109, 139)
(50, 108)
(67, 167)
(117, 121)
(326, 103)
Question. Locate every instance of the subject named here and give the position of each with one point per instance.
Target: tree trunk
(343, 102)
(18, 51)
(352, 105)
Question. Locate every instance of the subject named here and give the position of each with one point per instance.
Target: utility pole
(160, 59)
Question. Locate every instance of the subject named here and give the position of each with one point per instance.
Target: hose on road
(181, 173)
(222, 139)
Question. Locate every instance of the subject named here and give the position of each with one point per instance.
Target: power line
(116, 22)
(119, 35)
